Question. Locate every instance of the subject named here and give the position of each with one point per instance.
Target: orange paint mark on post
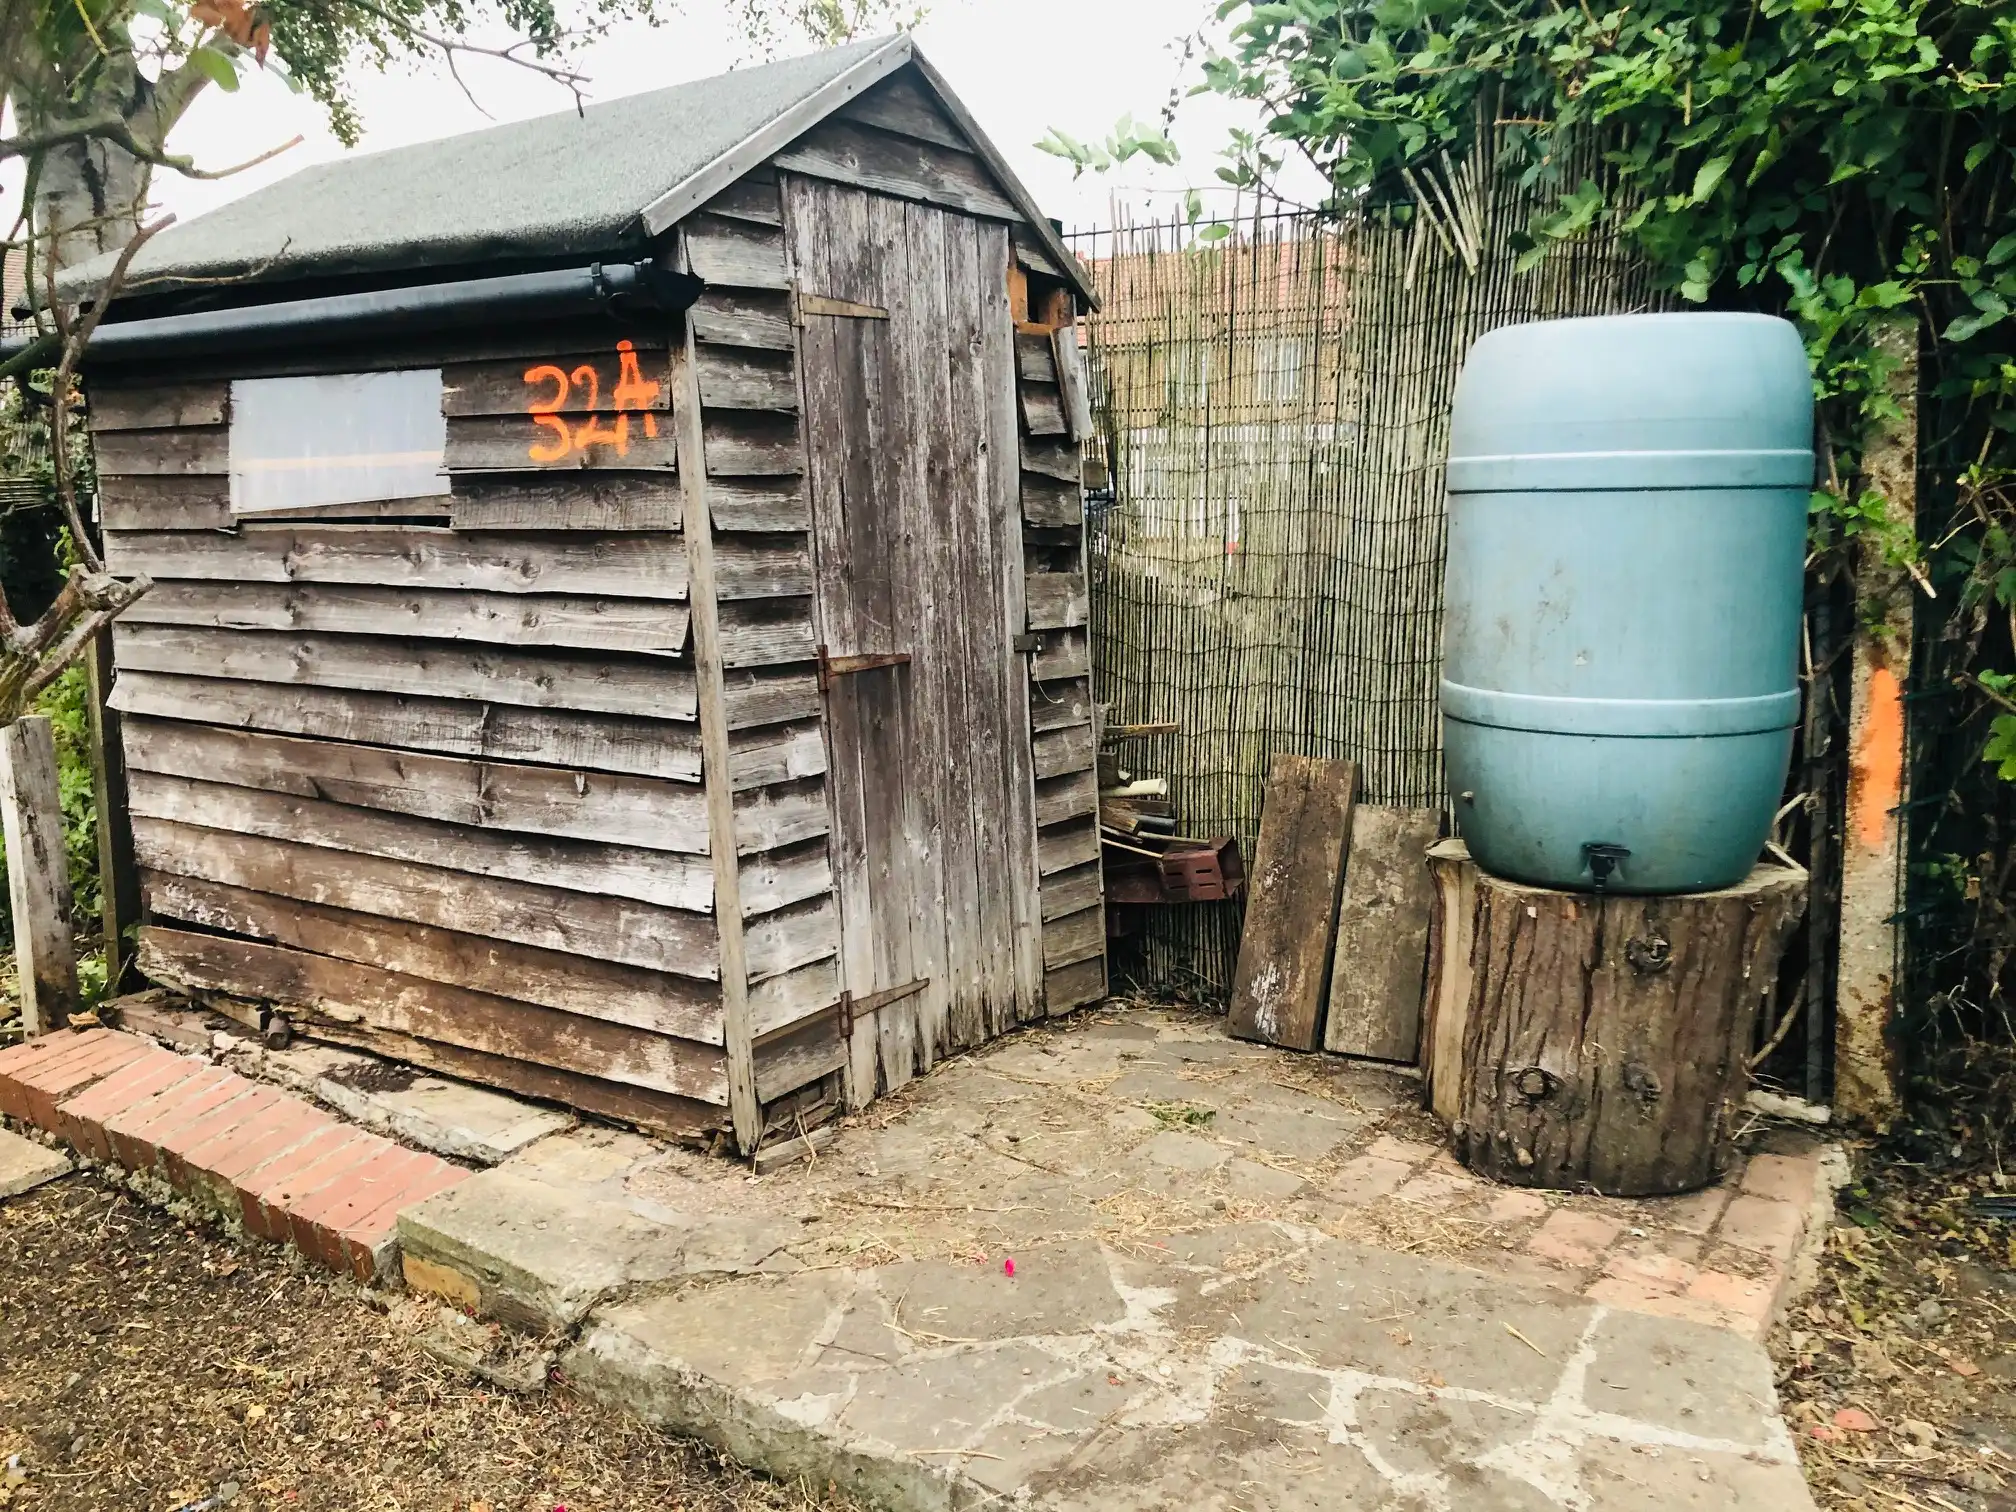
(1876, 769)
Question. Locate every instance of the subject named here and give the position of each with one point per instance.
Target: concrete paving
(1241, 1280)
(26, 1165)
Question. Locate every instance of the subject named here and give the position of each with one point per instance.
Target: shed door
(911, 436)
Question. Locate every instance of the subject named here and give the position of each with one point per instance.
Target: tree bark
(1606, 1039)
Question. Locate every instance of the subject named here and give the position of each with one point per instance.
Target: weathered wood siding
(427, 772)
(1061, 711)
(759, 578)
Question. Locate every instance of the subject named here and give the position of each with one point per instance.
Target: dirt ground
(1898, 1372)
(151, 1366)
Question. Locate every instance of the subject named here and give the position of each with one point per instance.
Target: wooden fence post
(38, 874)
(1873, 840)
(118, 876)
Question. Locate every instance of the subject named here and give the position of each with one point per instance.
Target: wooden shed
(619, 624)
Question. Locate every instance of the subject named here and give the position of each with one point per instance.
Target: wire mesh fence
(1267, 575)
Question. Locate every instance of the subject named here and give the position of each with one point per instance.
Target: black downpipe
(613, 289)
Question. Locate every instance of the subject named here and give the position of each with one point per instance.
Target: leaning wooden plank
(592, 988)
(600, 382)
(752, 444)
(777, 753)
(348, 993)
(1061, 751)
(1381, 955)
(1057, 600)
(1063, 846)
(534, 800)
(1058, 705)
(1075, 986)
(598, 927)
(792, 937)
(754, 504)
(158, 406)
(1052, 502)
(593, 501)
(1291, 912)
(646, 747)
(656, 1113)
(1069, 891)
(560, 443)
(191, 451)
(762, 567)
(800, 1055)
(736, 254)
(771, 697)
(1074, 383)
(38, 875)
(1071, 796)
(794, 996)
(899, 166)
(645, 876)
(742, 378)
(411, 556)
(766, 632)
(778, 879)
(1450, 976)
(758, 318)
(502, 619)
(654, 689)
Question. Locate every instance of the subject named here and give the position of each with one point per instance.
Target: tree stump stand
(1598, 1041)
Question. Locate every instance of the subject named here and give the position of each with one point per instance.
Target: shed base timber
(1601, 1042)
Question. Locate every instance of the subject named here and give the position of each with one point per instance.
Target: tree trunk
(1606, 1039)
(90, 194)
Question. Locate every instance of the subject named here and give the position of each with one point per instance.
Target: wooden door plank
(1381, 955)
(597, 927)
(410, 556)
(645, 747)
(1291, 910)
(515, 619)
(536, 800)
(384, 664)
(575, 984)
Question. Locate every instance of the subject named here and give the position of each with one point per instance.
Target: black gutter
(619, 289)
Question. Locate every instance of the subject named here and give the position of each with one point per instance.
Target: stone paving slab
(26, 1165)
(1263, 1367)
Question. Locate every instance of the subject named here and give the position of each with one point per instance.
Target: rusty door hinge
(852, 1008)
(831, 667)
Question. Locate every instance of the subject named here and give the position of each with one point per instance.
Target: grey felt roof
(557, 185)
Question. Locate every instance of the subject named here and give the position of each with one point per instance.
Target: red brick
(317, 1221)
(367, 1242)
(283, 1165)
(279, 1195)
(221, 1120)
(216, 1165)
(81, 1119)
(1762, 1226)
(1787, 1178)
(50, 1082)
(1749, 1302)
(135, 1132)
(1572, 1238)
(18, 1060)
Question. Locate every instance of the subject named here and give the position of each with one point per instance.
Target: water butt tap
(1603, 860)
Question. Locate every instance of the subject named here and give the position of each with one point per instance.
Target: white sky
(1020, 66)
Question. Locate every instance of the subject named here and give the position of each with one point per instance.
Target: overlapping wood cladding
(529, 781)
(1064, 732)
(426, 771)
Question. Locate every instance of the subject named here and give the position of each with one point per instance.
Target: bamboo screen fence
(1268, 574)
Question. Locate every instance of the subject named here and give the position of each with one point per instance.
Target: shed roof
(604, 179)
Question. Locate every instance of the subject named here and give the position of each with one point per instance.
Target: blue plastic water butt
(1627, 532)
